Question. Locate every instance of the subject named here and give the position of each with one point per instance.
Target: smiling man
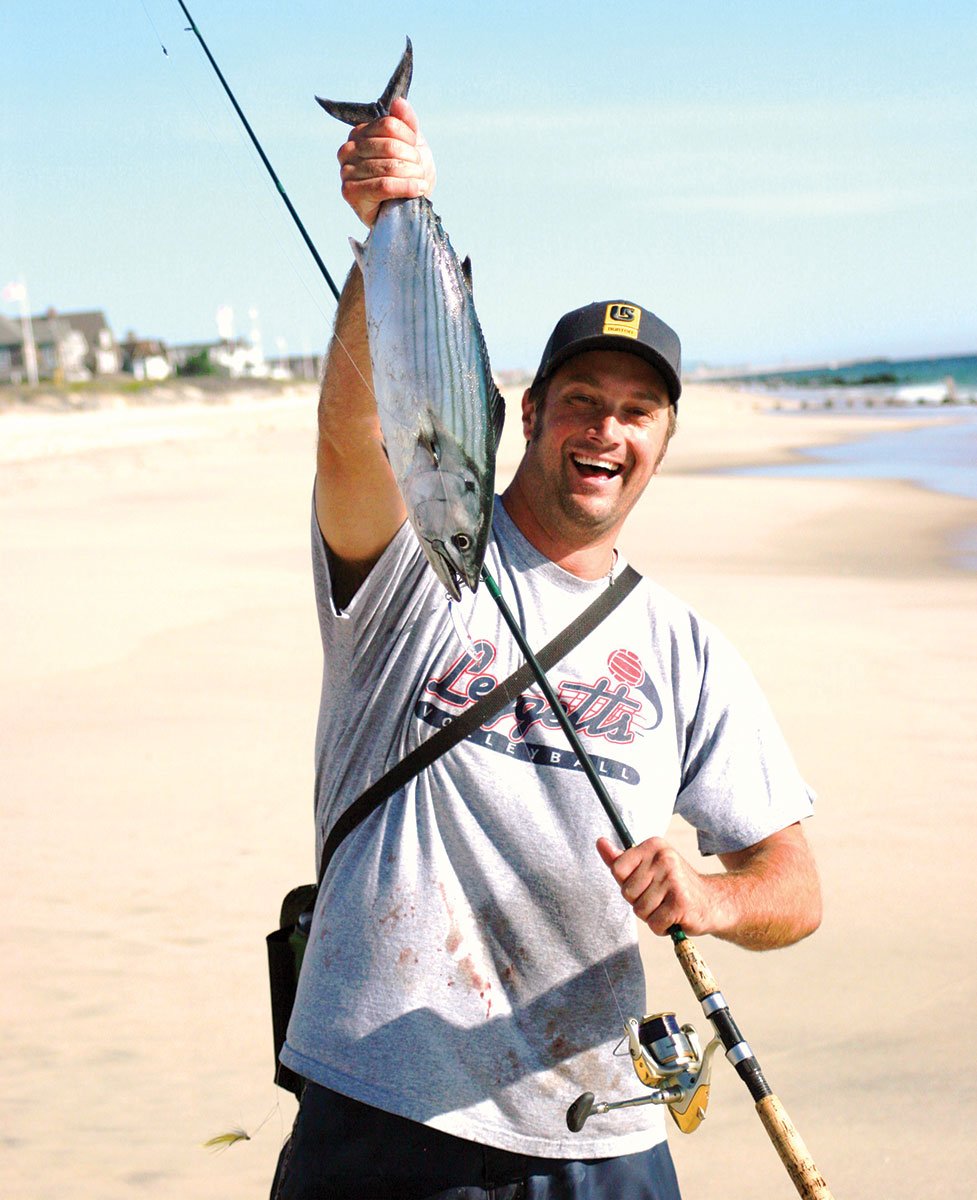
(470, 952)
(597, 421)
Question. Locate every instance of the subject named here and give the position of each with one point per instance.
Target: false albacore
(440, 412)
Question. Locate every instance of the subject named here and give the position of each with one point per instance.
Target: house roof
(90, 324)
(49, 331)
(143, 347)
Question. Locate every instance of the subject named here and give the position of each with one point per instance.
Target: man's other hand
(768, 896)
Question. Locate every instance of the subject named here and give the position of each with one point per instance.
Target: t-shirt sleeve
(740, 783)
(400, 571)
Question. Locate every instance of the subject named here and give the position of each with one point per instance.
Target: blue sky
(782, 183)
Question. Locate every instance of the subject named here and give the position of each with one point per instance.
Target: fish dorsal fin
(466, 270)
(496, 413)
(352, 113)
(359, 252)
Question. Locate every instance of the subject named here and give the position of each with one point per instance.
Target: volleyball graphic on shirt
(626, 667)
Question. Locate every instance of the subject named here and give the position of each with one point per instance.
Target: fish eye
(461, 541)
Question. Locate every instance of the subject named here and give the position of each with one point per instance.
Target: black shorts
(340, 1148)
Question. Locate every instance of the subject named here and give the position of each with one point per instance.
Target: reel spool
(667, 1059)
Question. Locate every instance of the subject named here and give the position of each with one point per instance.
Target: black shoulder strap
(477, 714)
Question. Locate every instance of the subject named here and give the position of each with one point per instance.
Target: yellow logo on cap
(622, 320)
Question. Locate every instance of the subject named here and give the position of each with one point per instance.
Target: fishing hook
(808, 1181)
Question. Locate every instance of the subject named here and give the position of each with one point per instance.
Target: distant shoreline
(123, 392)
(705, 374)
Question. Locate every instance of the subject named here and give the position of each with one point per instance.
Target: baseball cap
(616, 325)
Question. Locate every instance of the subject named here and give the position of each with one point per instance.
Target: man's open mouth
(595, 468)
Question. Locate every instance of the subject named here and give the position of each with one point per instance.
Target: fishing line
(264, 158)
(610, 985)
(234, 167)
(219, 140)
(155, 30)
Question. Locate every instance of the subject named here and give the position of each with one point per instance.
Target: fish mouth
(450, 565)
(596, 466)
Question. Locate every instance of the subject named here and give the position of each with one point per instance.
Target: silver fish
(440, 411)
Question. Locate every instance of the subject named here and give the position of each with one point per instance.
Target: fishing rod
(264, 157)
(666, 1058)
(659, 1051)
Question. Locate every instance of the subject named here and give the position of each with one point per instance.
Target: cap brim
(673, 382)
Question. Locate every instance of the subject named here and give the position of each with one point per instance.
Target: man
(470, 949)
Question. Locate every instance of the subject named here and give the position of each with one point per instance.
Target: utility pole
(18, 291)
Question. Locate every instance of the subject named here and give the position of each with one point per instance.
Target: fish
(440, 411)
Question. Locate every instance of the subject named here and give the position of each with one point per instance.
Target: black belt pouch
(286, 950)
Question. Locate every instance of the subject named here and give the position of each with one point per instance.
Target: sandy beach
(160, 676)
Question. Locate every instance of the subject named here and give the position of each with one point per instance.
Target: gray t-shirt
(470, 951)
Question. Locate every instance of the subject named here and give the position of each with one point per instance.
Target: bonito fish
(440, 411)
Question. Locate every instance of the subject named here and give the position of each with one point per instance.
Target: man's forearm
(770, 895)
(346, 397)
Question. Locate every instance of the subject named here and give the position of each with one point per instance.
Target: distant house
(102, 356)
(69, 347)
(234, 357)
(297, 366)
(11, 352)
(60, 349)
(145, 358)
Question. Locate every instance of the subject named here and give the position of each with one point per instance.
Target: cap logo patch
(622, 320)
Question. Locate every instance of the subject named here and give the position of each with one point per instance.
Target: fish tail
(352, 113)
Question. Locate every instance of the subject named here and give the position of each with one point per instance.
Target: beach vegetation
(198, 364)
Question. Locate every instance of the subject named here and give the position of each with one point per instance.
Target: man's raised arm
(358, 506)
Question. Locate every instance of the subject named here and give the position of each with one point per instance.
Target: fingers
(656, 881)
(383, 138)
(608, 852)
(366, 196)
(386, 159)
(369, 169)
(401, 110)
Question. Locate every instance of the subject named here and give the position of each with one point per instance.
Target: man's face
(595, 441)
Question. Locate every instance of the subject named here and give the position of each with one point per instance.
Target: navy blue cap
(616, 325)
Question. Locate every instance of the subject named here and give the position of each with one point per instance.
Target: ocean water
(939, 453)
(872, 382)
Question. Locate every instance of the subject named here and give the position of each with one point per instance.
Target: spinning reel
(668, 1060)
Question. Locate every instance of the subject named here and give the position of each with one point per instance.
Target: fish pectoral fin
(497, 413)
(429, 442)
(352, 113)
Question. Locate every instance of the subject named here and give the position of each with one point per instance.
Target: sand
(157, 706)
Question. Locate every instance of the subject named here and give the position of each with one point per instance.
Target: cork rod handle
(793, 1153)
(807, 1179)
